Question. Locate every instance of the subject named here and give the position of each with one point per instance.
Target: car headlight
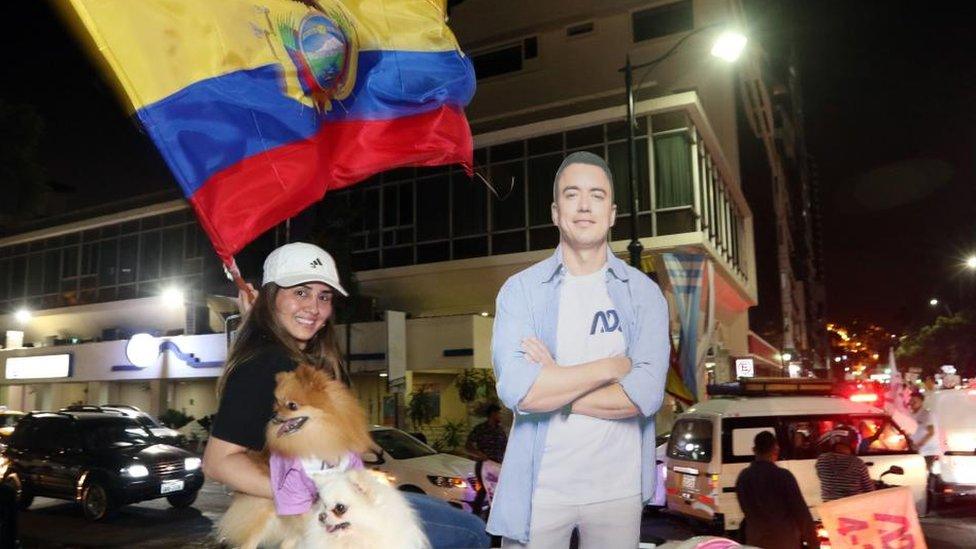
(447, 482)
(191, 464)
(136, 471)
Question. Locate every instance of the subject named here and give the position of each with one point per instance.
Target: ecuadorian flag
(260, 107)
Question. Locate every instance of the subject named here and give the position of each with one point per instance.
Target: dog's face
(315, 415)
(347, 504)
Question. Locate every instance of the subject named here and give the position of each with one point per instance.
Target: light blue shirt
(528, 306)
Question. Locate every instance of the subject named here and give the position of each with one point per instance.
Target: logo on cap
(317, 262)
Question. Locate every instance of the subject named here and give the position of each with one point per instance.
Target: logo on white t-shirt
(606, 321)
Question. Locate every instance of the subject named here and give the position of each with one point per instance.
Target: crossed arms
(530, 381)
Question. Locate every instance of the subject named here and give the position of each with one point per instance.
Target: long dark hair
(260, 330)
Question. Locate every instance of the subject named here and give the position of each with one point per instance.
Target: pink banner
(885, 519)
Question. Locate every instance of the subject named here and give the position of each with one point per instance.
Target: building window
(504, 60)
(662, 20)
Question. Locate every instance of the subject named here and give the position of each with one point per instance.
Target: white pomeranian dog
(358, 510)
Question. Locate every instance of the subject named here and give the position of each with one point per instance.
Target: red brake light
(864, 397)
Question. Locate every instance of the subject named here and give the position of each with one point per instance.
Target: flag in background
(685, 273)
(261, 106)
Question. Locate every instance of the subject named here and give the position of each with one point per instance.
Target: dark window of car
(115, 432)
(739, 436)
(662, 20)
(53, 433)
(9, 420)
(872, 435)
(401, 445)
(691, 440)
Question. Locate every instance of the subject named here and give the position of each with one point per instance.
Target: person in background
(488, 439)
(776, 515)
(841, 473)
(924, 435)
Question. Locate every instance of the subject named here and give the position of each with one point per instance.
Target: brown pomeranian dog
(318, 428)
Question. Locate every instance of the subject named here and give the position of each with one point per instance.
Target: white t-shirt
(924, 419)
(587, 459)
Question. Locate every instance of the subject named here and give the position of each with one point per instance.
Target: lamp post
(728, 46)
(935, 303)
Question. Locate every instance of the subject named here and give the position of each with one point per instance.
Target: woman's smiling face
(302, 310)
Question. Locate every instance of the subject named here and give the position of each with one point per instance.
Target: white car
(416, 467)
(953, 413)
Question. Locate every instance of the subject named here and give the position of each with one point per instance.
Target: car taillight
(864, 397)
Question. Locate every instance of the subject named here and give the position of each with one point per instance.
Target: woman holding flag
(289, 321)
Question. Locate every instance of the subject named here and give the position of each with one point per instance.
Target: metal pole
(635, 248)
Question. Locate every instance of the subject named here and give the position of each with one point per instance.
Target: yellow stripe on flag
(155, 48)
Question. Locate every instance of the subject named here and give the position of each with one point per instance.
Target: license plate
(171, 486)
(688, 481)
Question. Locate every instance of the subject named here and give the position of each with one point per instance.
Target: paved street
(57, 524)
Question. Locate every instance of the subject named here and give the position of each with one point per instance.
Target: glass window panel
(89, 259)
(430, 253)
(469, 203)
(36, 245)
(128, 249)
(365, 261)
(546, 144)
(542, 170)
(129, 227)
(54, 242)
(543, 238)
(675, 222)
(433, 216)
(672, 171)
(397, 257)
(399, 174)
(618, 162)
(508, 179)
(507, 151)
(191, 242)
(508, 243)
(109, 231)
(390, 206)
(127, 292)
(470, 247)
(4, 279)
(481, 156)
(151, 222)
(106, 294)
(18, 277)
(149, 256)
(404, 236)
(52, 271)
(406, 203)
(69, 263)
(35, 274)
(389, 238)
(371, 208)
(618, 130)
(584, 136)
(172, 252)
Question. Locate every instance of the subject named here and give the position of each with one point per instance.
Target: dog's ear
(363, 482)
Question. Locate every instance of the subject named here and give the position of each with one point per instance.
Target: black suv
(163, 433)
(100, 460)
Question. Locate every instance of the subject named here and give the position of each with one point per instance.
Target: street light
(23, 316)
(971, 262)
(172, 297)
(728, 46)
(935, 303)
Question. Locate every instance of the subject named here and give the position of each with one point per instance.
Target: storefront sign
(38, 367)
(745, 367)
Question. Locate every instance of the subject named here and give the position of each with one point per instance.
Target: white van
(953, 413)
(712, 442)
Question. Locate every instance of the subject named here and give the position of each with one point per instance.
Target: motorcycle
(879, 484)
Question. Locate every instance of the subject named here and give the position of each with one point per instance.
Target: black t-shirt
(247, 402)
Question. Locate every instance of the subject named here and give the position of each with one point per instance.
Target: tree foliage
(949, 340)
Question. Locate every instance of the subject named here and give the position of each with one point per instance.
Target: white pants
(613, 524)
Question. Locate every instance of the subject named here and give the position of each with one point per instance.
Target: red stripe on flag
(239, 203)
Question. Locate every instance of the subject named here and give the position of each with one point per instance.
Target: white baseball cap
(300, 262)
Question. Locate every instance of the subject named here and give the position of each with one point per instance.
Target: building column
(159, 393)
(98, 393)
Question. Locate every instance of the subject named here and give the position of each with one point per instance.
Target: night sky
(889, 89)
